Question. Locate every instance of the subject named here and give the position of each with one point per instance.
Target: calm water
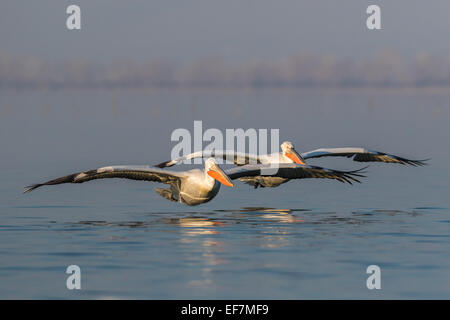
(306, 239)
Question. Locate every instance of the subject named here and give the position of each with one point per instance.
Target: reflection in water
(271, 228)
(197, 226)
(390, 212)
(204, 223)
(129, 224)
(201, 233)
(279, 215)
(263, 210)
(202, 230)
(212, 223)
(210, 241)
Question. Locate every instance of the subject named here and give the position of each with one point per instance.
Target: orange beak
(217, 173)
(294, 156)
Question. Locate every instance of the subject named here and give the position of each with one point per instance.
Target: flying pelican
(196, 186)
(290, 155)
(191, 187)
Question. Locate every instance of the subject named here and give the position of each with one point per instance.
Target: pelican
(191, 187)
(290, 155)
(196, 186)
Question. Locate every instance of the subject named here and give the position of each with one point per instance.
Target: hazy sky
(233, 29)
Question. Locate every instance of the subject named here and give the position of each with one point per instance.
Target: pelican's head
(214, 171)
(289, 151)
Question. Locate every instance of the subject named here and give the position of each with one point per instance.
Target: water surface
(305, 239)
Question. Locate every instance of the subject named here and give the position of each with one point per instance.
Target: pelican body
(193, 188)
(288, 154)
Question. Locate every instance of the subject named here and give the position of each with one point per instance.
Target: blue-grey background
(62, 112)
(235, 29)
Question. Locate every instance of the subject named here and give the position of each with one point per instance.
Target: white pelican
(191, 187)
(195, 186)
(289, 155)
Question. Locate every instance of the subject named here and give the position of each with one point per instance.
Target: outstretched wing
(127, 172)
(237, 158)
(294, 171)
(361, 155)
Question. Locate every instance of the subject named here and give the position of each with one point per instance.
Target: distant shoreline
(385, 69)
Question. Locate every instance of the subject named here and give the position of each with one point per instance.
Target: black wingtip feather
(164, 164)
(31, 188)
(349, 176)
